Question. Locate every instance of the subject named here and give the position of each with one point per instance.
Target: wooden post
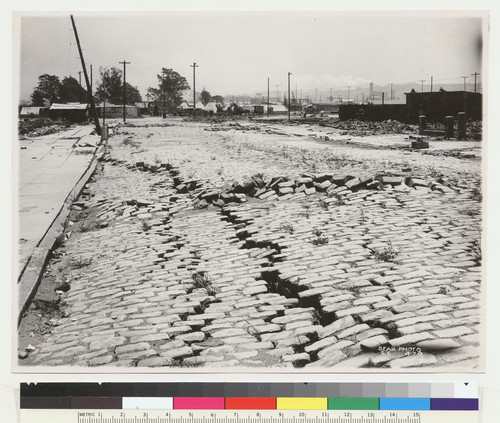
(422, 124)
(462, 126)
(449, 131)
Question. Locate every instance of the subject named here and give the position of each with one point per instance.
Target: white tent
(210, 107)
(185, 105)
(276, 108)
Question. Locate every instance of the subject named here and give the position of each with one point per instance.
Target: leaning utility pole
(475, 80)
(91, 98)
(289, 73)
(432, 80)
(125, 63)
(194, 66)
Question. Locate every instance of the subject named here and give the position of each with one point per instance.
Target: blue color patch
(405, 403)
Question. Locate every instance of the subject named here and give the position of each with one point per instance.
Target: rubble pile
(39, 127)
(363, 128)
(475, 130)
(338, 187)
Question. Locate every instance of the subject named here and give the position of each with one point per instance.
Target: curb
(31, 276)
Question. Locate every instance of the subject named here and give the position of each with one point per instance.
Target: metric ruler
(249, 403)
(246, 416)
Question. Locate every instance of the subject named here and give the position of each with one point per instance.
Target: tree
(153, 94)
(171, 86)
(47, 90)
(110, 87)
(72, 91)
(217, 99)
(133, 94)
(37, 98)
(205, 96)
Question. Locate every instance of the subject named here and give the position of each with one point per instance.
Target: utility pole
(194, 66)
(316, 95)
(432, 80)
(475, 79)
(392, 93)
(422, 81)
(125, 63)
(348, 91)
(267, 96)
(91, 79)
(80, 83)
(465, 82)
(91, 98)
(289, 73)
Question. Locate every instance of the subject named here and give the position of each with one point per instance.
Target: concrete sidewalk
(49, 169)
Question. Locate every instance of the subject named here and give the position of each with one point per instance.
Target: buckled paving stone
(321, 284)
(339, 345)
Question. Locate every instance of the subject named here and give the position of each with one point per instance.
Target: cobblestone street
(228, 245)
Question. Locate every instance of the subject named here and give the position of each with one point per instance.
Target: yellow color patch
(301, 403)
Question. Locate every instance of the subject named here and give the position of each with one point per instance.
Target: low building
(111, 111)
(143, 107)
(438, 104)
(73, 112)
(30, 111)
(434, 105)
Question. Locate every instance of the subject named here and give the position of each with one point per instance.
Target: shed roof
(71, 106)
(31, 110)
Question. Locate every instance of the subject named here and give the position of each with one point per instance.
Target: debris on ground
(28, 128)
(364, 128)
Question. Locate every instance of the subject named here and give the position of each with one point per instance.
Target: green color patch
(353, 404)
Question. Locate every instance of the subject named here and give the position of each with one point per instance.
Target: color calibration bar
(245, 403)
(250, 396)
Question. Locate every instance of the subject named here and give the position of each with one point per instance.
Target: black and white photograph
(259, 191)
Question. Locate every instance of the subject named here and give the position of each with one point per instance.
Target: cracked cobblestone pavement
(193, 246)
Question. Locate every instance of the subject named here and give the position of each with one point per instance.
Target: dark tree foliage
(71, 91)
(171, 86)
(133, 94)
(205, 96)
(110, 86)
(47, 90)
(153, 94)
(217, 99)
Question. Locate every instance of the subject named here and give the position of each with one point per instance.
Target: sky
(237, 51)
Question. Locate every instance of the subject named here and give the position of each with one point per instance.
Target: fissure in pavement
(263, 283)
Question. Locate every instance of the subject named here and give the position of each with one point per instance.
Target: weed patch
(202, 280)
(388, 253)
(319, 238)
